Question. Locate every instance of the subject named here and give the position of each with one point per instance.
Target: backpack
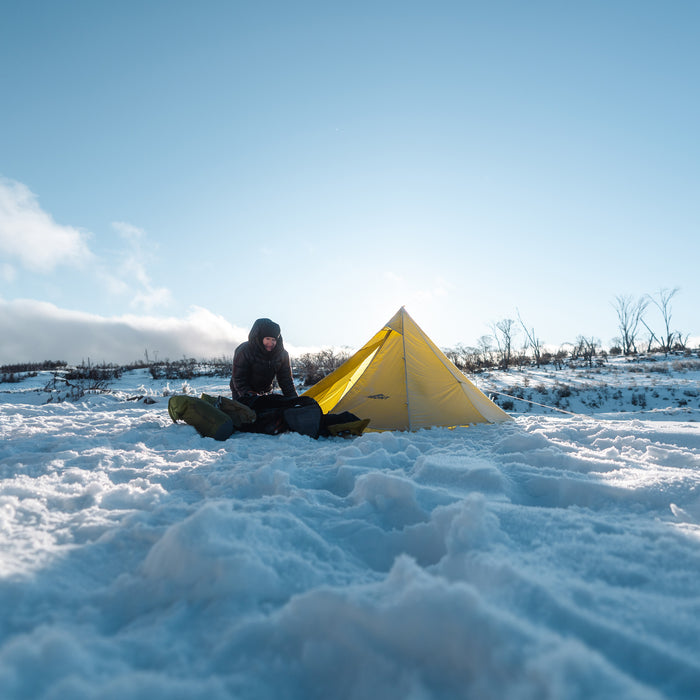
(239, 413)
(279, 414)
(305, 419)
(208, 420)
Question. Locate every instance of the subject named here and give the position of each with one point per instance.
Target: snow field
(553, 557)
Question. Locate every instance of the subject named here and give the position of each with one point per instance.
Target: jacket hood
(265, 328)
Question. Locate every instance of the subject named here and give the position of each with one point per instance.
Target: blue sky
(189, 167)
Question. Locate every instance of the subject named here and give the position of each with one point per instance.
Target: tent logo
(378, 396)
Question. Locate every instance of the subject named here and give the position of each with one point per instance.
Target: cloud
(7, 273)
(131, 275)
(31, 236)
(128, 231)
(35, 331)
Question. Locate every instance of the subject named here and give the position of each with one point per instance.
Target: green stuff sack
(239, 413)
(208, 420)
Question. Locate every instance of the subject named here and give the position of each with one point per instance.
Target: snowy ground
(557, 556)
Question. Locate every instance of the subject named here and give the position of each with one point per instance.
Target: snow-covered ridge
(643, 384)
(639, 384)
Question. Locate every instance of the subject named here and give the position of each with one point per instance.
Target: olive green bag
(207, 419)
(239, 413)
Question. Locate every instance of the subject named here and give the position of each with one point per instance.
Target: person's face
(269, 343)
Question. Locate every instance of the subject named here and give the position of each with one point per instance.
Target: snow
(556, 556)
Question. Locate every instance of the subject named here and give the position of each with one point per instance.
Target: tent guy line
(541, 405)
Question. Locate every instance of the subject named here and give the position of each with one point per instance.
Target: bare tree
(533, 342)
(586, 348)
(663, 304)
(504, 333)
(652, 337)
(557, 359)
(315, 366)
(681, 342)
(485, 349)
(629, 315)
(466, 359)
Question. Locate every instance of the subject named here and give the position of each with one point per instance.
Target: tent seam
(405, 367)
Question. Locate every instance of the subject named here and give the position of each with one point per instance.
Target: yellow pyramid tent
(401, 380)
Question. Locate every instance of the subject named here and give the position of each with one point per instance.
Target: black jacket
(254, 368)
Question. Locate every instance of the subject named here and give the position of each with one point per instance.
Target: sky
(171, 171)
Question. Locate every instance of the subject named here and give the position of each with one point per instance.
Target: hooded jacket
(255, 368)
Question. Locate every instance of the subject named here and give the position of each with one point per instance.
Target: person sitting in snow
(259, 361)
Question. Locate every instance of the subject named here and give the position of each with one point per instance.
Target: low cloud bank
(35, 331)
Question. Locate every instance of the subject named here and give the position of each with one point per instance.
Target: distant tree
(315, 366)
(504, 332)
(565, 351)
(587, 348)
(485, 349)
(34, 366)
(533, 342)
(663, 304)
(651, 338)
(629, 315)
(466, 359)
(681, 343)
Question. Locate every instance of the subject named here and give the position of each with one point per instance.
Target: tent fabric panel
(438, 393)
(331, 389)
(445, 405)
(380, 394)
